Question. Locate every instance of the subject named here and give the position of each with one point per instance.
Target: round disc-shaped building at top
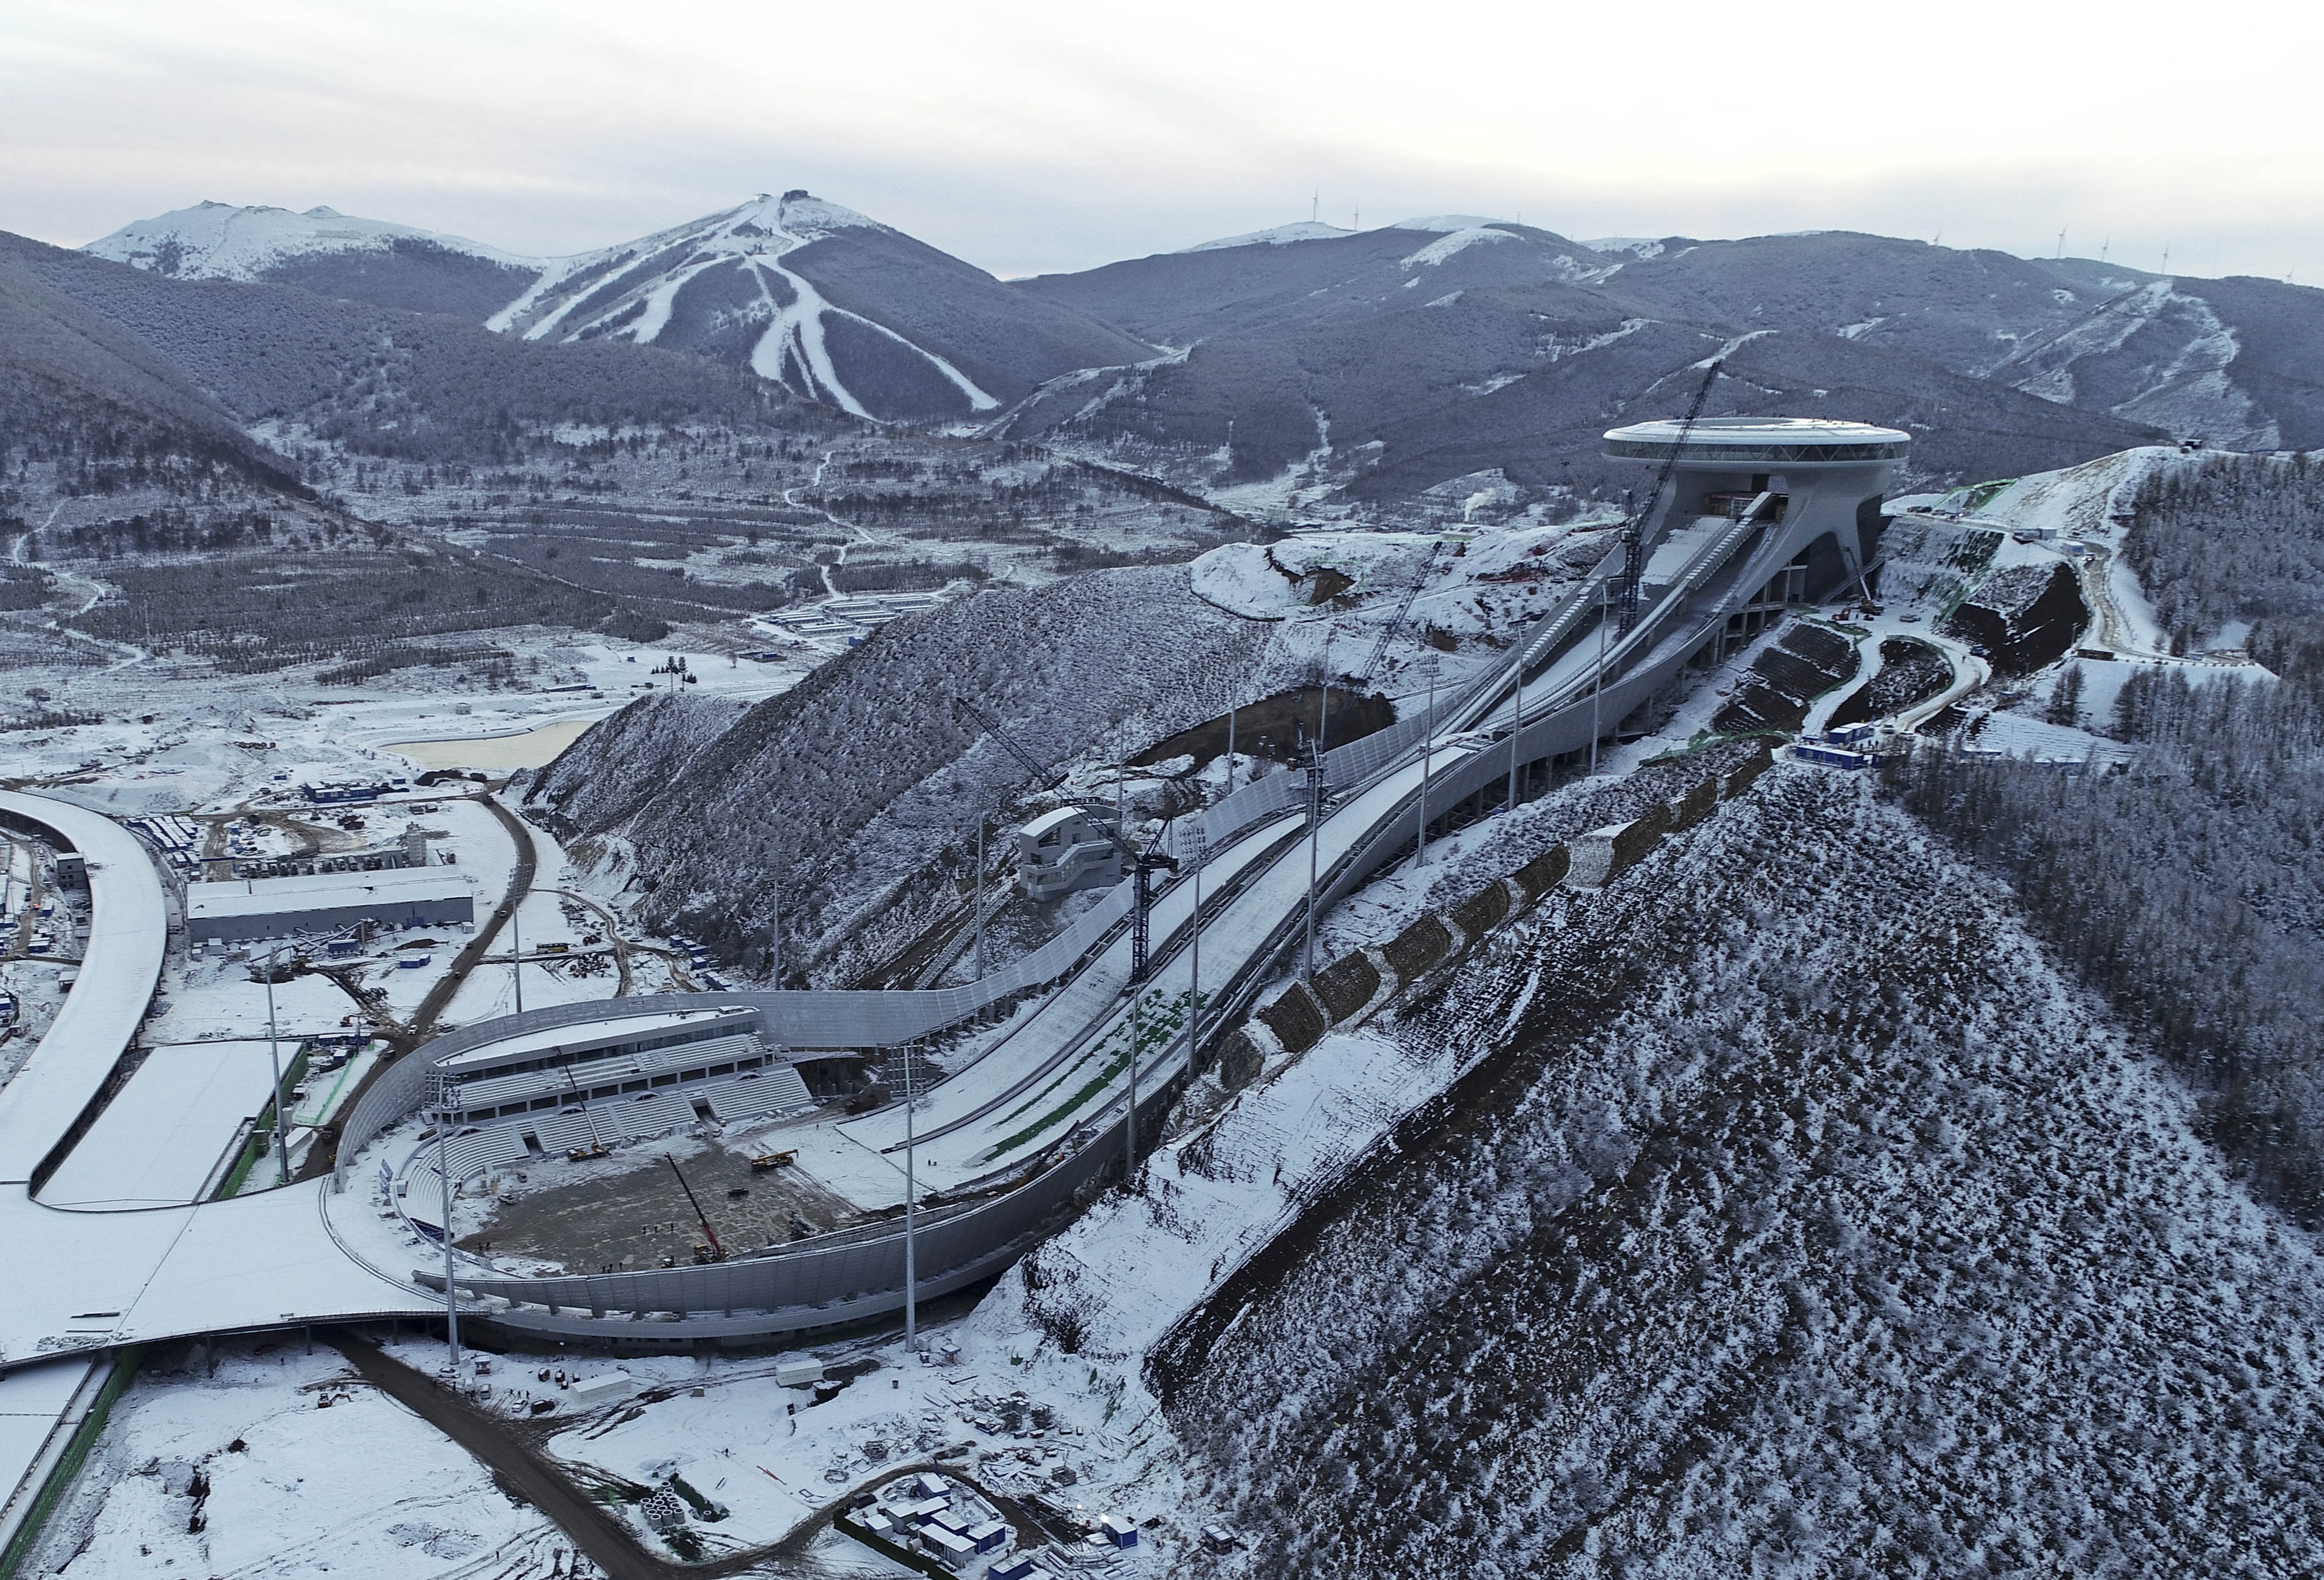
(1759, 441)
(1821, 481)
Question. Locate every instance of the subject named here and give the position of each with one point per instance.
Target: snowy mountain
(1460, 354)
(828, 304)
(325, 251)
(817, 298)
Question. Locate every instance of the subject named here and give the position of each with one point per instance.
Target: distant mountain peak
(255, 242)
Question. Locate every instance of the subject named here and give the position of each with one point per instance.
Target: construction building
(284, 907)
(1064, 851)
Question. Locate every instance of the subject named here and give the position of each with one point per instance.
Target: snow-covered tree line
(2188, 889)
(2239, 538)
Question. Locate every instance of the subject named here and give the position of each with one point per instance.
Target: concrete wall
(445, 912)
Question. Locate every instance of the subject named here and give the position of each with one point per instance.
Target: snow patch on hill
(1281, 235)
(1447, 247)
(218, 241)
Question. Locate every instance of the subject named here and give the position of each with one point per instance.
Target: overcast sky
(1029, 137)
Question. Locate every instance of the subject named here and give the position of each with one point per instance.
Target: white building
(247, 908)
(1064, 851)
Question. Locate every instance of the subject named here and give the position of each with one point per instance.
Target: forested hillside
(846, 790)
(1799, 1218)
(2187, 888)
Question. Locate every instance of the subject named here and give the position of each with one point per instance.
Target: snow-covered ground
(279, 1463)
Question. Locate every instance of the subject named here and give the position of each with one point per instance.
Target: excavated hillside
(848, 790)
(1798, 1217)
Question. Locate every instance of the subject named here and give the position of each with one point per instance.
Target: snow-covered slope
(816, 297)
(218, 241)
(1794, 1216)
(323, 250)
(827, 303)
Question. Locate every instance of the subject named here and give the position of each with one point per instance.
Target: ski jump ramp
(1749, 505)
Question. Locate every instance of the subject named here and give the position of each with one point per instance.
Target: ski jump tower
(1816, 484)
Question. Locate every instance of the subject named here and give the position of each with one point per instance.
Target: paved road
(594, 1531)
(423, 1019)
(322, 1159)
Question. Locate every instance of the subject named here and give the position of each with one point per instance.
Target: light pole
(444, 1111)
(516, 951)
(275, 1058)
(775, 938)
(911, 1216)
(1428, 744)
(1231, 721)
(1599, 684)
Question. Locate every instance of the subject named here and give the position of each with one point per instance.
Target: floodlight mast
(446, 1101)
(1634, 530)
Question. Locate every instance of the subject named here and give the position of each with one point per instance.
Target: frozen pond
(533, 748)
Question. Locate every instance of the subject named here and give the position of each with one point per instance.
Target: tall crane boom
(717, 1252)
(1634, 531)
(1043, 779)
(1403, 610)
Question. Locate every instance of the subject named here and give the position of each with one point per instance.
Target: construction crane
(1043, 779)
(717, 1252)
(1403, 610)
(1634, 530)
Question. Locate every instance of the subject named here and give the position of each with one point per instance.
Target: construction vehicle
(773, 1160)
(715, 1251)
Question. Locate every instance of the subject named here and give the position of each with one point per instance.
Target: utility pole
(274, 1056)
(775, 938)
(1231, 713)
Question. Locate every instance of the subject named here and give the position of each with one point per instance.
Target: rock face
(2026, 616)
(846, 790)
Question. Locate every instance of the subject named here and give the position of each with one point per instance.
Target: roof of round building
(1794, 440)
